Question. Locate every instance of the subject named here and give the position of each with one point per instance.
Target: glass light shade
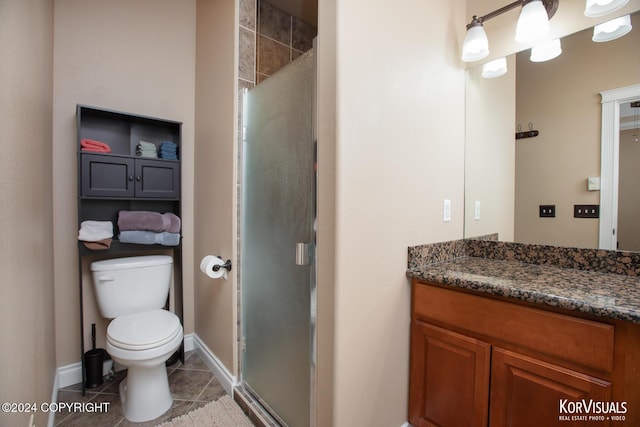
(546, 51)
(612, 30)
(495, 68)
(533, 23)
(602, 7)
(476, 44)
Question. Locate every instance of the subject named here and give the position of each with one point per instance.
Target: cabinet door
(449, 378)
(157, 179)
(527, 392)
(106, 176)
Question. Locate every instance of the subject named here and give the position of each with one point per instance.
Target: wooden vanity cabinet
(483, 361)
(449, 378)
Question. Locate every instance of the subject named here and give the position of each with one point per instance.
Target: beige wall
(490, 152)
(215, 189)
(561, 98)
(27, 359)
(136, 57)
(396, 152)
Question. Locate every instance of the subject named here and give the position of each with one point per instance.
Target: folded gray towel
(148, 221)
(150, 238)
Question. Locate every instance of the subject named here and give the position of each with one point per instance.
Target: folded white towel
(94, 231)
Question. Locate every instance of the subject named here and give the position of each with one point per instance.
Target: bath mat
(224, 412)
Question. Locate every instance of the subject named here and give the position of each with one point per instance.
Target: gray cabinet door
(158, 179)
(107, 176)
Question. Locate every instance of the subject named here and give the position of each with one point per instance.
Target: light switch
(476, 214)
(446, 210)
(593, 183)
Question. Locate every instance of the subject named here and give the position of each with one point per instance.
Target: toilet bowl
(142, 335)
(136, 341)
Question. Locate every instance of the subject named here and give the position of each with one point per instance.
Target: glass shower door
(277, 239)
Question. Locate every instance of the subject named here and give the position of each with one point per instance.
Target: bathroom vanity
(523, 335)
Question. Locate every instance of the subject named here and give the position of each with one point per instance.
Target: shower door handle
(302, 254)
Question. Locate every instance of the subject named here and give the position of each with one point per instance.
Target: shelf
(124, 248)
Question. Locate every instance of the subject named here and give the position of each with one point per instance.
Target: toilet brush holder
(93, 360)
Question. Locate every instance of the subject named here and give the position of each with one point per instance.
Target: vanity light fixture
(546, 51)
(612, 30)
(495, 68)
(596, 8)
(533, 24)
(476, 45)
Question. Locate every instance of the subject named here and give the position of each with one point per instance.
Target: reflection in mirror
(509, 179)
(629, 177)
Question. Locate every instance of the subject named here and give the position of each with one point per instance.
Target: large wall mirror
(507, 180)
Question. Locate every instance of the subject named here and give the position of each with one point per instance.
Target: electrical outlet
(446, 210)
(476, 215)
(547, 211)
(586, 211)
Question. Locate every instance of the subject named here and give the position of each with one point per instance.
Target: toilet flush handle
(106, 278)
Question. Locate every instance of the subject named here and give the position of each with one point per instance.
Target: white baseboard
(188, 342)
(72, 374)
(226, 378)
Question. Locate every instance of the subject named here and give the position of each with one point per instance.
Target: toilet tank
(131, 285)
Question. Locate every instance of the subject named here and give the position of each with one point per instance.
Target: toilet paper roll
(208, 263)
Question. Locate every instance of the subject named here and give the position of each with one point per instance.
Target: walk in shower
(277, 261)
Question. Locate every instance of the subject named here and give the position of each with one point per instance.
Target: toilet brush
(93, 362)
(93, 336)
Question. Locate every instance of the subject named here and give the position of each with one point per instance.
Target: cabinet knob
(130, 177)
(138, 179)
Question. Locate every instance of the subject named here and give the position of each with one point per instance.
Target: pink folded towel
(148, 221)
(93, 145)
(100, 245)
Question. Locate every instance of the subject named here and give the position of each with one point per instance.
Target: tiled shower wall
(269, 39)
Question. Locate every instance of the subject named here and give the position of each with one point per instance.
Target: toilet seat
(143, 331)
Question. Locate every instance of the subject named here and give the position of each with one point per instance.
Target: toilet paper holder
(226, 265)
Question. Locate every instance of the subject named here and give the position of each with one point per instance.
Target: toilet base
(145, 393)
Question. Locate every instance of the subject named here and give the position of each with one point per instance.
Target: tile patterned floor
(192, 386)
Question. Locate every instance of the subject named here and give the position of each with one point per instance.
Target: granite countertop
(606, 294)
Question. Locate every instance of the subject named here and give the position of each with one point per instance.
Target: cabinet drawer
(568, 338)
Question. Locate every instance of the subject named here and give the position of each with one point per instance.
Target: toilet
(141, 335)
